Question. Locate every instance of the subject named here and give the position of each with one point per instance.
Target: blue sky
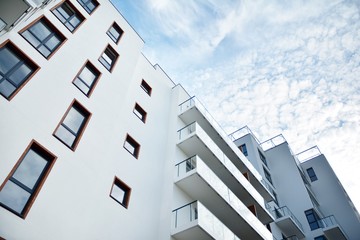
(290, 67)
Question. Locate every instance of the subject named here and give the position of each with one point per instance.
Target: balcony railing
(308, 154)
(186, 165)
(242, 132)
(285, 212)
(330, 223)
(273, 142)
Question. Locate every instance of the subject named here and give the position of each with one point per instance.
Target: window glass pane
(6, 88)
(74, 21)
(91, 6)
(114, 33)
(14, 197)
(52, 43)
(7, 60)
(107, 58)
(118, 193)
(21, 73)
(129, 147)
(60, 15)
(85, 89)
(44, 51)
(106, 64)
(65, 136)
(65, 10)
(73, 120)
(87, 76)
(33, 41)
(30, 169)
(40, 31)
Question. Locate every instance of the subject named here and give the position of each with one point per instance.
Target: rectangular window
(146, 87)
(132, 146)
(140, 112)
(115, 32)
(243, 149)
(313, 219)
(108, 58)
(262, 157)
(23, 184)
(322, 237)
(120, 192)
(89, 5)
(72, 125)
(15, 70)
(68, 15)
(87, 78)
(43, 36)
(312, 175)
(267, 175)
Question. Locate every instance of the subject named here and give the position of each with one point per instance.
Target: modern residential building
(98, 143)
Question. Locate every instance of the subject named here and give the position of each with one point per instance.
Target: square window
(132, 146)
(120, 192)
(23, 184)
(146, 87)
(115, 32)
(68, 15)
(108, 58)
(15, 70)
(89, 5)
(72, 125)
(243, 149)
(87, 78)
(140, 112)
(44, 37)
(312, 175)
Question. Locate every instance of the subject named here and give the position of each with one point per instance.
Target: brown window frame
(146, 87)
(124, 187)
(132, 142)
(117, 29)
(76, 12)
(95, 71)
(109, 49)
(23, 59)
(49, 26)
(83, 111)
(86, 9)
(140, 112)
(46, 155)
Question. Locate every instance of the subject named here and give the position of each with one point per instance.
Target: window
(89, 5)
(15, 70)
(322, 237)
(87, 78)
(267, 175)
(43, 36)
(146, 87)
(312, 175)
(115, 32)
(68, 15)
(120, 192)
(262, 157)
(243, 149)
(313, 219)
(132, 146)
(72, 125)
(108, 58)
(24, 182)
(139, 112)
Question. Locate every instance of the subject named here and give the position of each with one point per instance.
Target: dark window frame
(262, 158)
(34, 192)
(74, 10)
(146, 87)
(268, 175)
(42, 43)
(125, 188)
(93, 70)
(114, 56)
(313, 219)
(23, 59)
(118, 29)
(312, 175)
(84, 4)
(243, 149)
(134, 144)
(84, 112)
(140, 112)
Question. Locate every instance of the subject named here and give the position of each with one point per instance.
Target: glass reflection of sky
(118, 194)
(87, 76)
(73, 120)
(14, 197)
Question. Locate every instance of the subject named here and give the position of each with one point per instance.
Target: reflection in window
(312, 175)
(87, 78)
(72, 126)
(15, 70)
(146, 87)
(88, 5)
(120, 192)
(115, 32)
(243, 149)
(140, 112)
(44, 37)
(25, 182)
(313, 219)
(132, 146)
(108, 58)
(68, 15)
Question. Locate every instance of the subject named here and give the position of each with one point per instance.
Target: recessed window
(89, 5)
(24, 182)
(15, 70)
(322, 237)
(120, 192)
(243, 149)
(267, 175)
(68, 15)
(146, 87)
(43, 36)
(312, 175)
(87, 78)
(132, 146)
(108, 58)
(262, 157)
(313, 219)
(140, 112)
(115, 32)
(72, 125)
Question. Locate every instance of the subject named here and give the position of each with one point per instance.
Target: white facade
(181, 175)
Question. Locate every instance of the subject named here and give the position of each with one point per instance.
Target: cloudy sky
(290, 67)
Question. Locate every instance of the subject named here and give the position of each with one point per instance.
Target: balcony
(288, 223)
(197, 180)
(332, 230)
(195, 221)
(192, 110)
(195, 141)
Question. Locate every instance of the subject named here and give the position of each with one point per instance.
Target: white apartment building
(98, 143)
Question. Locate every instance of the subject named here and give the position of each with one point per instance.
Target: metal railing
(285, 212)
(242, 132)
(188, 129)
(185, 214)
(186, 165)
(273, 142)
(308, 154)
